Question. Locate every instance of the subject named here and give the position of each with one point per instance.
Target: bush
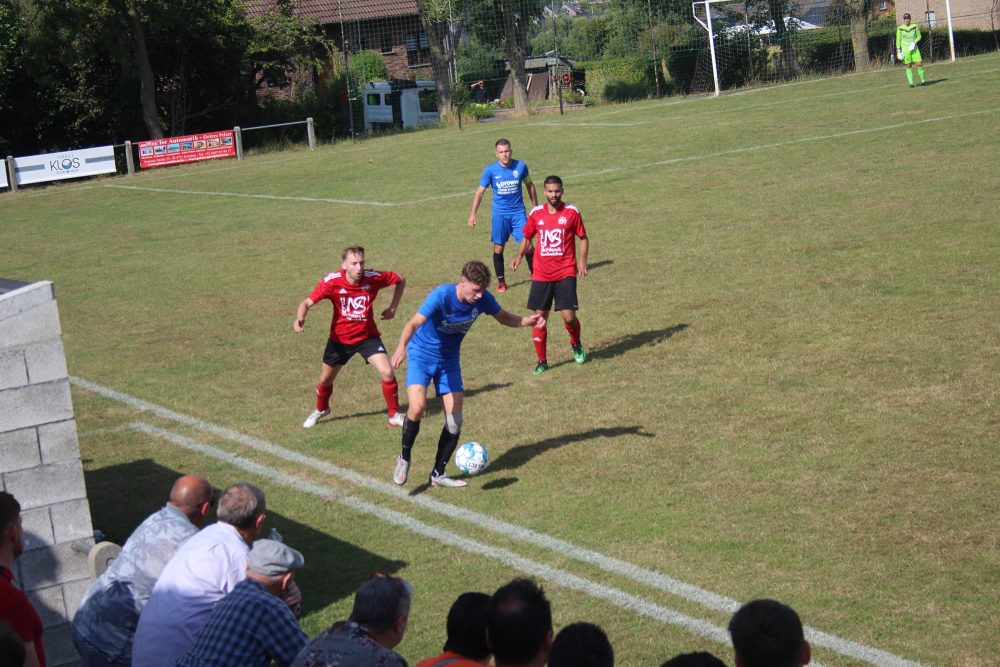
(365, 67)
(618, 79)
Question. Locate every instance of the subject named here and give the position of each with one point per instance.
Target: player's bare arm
(476, 200)
(404, 338)
(514, 320)
(299, 325)
(522, 249)
(532, 193)
(581, 261)
(397, 296)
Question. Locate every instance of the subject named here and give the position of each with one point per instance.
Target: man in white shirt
(105, 623)
(201, 573)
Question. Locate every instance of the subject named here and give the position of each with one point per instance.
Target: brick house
(388, 27)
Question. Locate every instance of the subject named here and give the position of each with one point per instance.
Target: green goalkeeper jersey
(906, 36)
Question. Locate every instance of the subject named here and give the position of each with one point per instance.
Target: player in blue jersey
(505, 176)
(433, 340)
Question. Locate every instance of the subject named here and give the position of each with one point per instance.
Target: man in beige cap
(252, 625)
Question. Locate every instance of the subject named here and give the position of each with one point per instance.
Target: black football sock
(498, 266)
(446, 447)
(410, 431)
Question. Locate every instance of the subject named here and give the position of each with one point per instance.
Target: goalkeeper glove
(913, 46)
(899, 54)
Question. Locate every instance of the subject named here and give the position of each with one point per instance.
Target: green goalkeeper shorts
(912, 57)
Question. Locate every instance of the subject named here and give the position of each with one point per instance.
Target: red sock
(390, 390)
(323, 397)
(539, 337)
(574, 331)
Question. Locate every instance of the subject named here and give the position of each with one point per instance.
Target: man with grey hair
(376, 626)
(251, 626)
(206, 568)
(105, 623)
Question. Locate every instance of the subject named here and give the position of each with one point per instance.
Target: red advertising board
(194, 147)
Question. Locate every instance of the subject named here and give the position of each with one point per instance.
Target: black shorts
(338, 354)
(563, 291)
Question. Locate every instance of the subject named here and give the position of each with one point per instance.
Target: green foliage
(365, 67)
(278, 42)
(617, 79)
(77, 74)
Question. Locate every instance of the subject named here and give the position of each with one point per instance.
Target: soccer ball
(471, 458)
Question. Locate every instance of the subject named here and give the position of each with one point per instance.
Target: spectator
(767, 633)
(699, 659)
(105, 623)
(12, 651)
(581, 645)
(466, 626)
(15, 608)
(376, 626)
(252, 626)
(205, 568)
(519, 629)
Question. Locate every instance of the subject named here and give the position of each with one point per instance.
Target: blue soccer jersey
(506, 183)
(448, 320)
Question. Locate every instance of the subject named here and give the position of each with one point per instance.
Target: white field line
(634, 167)
(207, 193)
(407, 140)
(780, 144)
(440, 535)
(643, 576)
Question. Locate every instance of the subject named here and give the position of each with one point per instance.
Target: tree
(774, 12)
(857, 14)
(516, 18)
(436, 17)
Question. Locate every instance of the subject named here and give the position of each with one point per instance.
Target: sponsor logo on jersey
(550, 242)
(354, 307)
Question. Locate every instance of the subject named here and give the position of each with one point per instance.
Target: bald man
(105, 624)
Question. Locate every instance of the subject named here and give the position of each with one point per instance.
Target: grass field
(792, 390)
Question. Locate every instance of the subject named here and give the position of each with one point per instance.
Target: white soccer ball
(471, 458)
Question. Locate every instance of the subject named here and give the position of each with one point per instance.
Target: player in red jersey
(557, 226)
(353, 290)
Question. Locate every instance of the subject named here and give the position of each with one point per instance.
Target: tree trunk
(437, 35)
(776, 9)
(859, 42)
(515, 48)
(147, 90)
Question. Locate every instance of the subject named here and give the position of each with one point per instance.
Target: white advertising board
(3, 173)
(64, 164)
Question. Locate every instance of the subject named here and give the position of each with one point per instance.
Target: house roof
(339, 11)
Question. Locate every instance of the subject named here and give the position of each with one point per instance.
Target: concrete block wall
(40, 460)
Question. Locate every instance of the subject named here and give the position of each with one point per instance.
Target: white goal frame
(707, 25)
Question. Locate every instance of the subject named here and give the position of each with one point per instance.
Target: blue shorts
(506, 225)
(446, 373)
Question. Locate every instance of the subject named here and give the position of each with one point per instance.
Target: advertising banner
(194, 147)
(3, 173)
(64, 164)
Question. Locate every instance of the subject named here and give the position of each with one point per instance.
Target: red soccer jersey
(555, 250)
(353, 320)
(19, 614)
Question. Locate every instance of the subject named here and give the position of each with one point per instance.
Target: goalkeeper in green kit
(907, 36)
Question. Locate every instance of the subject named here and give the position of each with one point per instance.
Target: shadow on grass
(122, 496)
(514, 458)
(620, 346)
(517, 456)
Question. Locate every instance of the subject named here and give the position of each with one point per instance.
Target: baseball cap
(906, 16)
(271, 558)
